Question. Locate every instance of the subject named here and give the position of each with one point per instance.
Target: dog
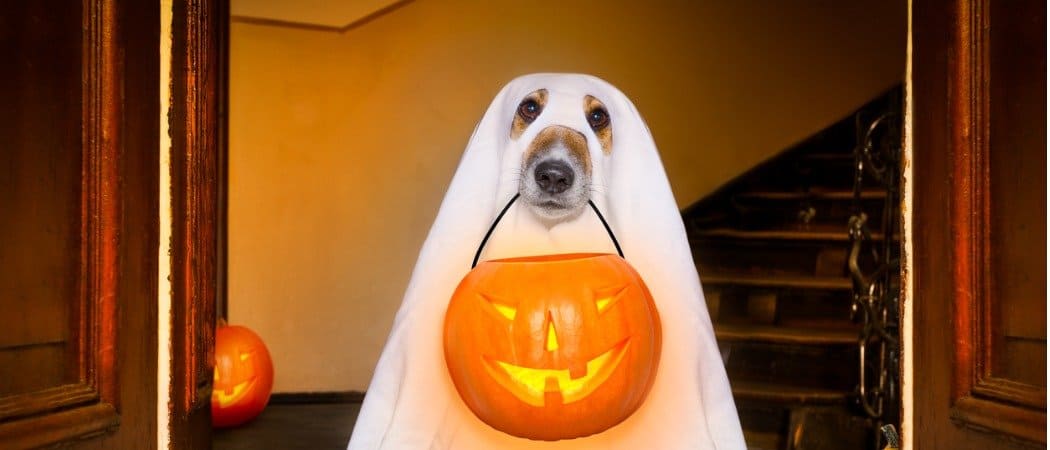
(557, 163)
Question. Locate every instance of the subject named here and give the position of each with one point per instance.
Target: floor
(293, 426)
(297, 426)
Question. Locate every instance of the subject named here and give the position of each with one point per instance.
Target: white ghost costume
(412, 402)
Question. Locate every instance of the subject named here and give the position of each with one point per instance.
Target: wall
(341, 144)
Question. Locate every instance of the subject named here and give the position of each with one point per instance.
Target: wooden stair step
(779, 393)
(812, 234)
(799, 209)
(785, 335)
(813, 194)
(763, 440)
(777, 281)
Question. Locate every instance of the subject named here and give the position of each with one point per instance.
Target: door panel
(40, 185)
(1017, 194)
(78, 223)
(979, 166)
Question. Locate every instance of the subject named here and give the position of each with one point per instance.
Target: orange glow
(530, 385)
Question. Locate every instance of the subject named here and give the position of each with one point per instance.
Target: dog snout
(553, 177)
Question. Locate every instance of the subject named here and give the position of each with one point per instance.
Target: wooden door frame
(954, 390)
(198, 183)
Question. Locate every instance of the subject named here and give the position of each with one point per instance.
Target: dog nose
(553, 177)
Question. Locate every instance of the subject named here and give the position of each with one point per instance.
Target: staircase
(772, 248)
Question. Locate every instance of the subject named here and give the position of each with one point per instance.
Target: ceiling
(321, 13)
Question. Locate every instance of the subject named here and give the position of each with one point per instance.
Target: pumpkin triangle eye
(502, 308)
(607, 297)
(506, 311)
(603, 303)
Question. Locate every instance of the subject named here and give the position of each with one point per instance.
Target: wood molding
(1010, 391)
(197, 127)
(994, 416)
(284, 24)
(974, 296)
(25, 405)
(967, 162)
(101, 195)
(58, 427)
(316, 27)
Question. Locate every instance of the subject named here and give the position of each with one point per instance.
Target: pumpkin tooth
(554, 397)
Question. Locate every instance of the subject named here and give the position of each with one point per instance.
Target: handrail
(873, 268)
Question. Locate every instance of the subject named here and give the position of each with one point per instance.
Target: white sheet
(411, 402)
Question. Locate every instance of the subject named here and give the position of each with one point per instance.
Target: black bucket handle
(511, 202)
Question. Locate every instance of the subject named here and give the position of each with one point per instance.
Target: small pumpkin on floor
(243, 376)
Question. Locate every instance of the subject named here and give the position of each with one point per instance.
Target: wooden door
(979, 174)
(80, 198)
(79, 109)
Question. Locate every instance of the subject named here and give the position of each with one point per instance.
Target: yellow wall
(341, 145)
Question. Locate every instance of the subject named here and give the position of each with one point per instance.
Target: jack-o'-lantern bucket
(552, 347)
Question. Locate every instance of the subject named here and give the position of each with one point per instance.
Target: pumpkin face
(243, 376)
(552, 347)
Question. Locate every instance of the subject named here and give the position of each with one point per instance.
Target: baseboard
(301, 398)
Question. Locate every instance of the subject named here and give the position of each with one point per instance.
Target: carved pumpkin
(243, 376)
(552, 347)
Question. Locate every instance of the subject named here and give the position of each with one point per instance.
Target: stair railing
(873, 264)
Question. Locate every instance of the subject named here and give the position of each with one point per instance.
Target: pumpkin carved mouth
(536, 386)
(228, 397)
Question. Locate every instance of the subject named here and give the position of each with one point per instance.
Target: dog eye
(598, 118)
(529, 110)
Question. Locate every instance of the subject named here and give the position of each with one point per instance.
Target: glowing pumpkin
(552, 347)
(243, 376)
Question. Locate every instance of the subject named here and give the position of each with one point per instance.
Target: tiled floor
(295, 426)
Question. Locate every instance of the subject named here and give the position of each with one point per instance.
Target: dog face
(557, 164)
